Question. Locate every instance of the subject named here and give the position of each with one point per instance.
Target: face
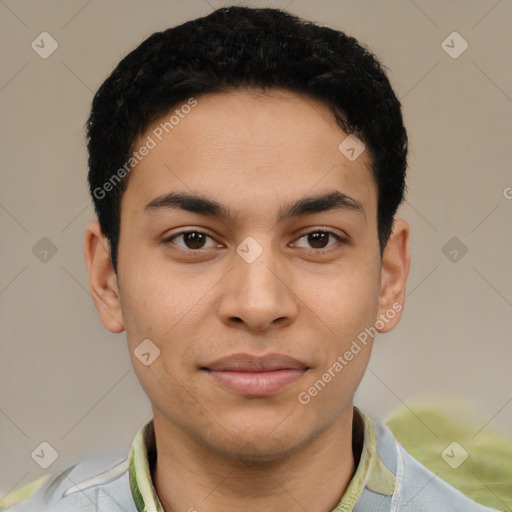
(253, 294)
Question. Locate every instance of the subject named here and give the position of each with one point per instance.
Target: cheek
(165, 308)
(344, 303)
(154, 301)
(352, 304)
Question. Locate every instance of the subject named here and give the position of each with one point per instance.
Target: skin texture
(307, 299)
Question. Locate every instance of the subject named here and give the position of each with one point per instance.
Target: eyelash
(315, 231)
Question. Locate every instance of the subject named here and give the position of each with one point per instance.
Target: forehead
(244, 146)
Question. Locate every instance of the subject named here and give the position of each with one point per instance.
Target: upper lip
(249, 363)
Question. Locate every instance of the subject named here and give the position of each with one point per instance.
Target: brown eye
(192, 240)
(319, 239)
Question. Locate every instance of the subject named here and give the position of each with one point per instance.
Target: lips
(254, 376)
(247, 363)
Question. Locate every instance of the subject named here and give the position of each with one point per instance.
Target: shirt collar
(371, 472)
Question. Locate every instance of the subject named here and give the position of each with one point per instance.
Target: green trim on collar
(371, 471)
(141, 484)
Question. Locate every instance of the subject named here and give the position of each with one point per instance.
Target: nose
(258, 295)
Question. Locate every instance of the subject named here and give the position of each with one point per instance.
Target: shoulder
(97, 482)
(416, 487)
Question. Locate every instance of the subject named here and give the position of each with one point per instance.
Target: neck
(188, 476)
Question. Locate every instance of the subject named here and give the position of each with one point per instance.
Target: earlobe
(394, 272)
(102, 278)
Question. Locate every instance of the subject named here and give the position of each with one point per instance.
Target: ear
(102, 278)
(394, 271)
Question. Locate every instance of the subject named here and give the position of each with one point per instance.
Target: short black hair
(244, 48)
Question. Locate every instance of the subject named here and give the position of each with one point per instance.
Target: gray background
(67, 381)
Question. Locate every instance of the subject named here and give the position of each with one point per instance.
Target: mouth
(254, 376)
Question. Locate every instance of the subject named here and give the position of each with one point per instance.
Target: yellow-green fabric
(428, 425)
(22, 494)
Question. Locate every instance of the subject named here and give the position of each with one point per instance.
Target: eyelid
(340, 238)
(170, 239)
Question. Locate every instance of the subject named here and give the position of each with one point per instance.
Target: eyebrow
(202, 205)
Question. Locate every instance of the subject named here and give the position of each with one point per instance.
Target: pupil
(194, 240)
(315, 238)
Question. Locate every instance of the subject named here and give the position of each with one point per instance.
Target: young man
(246, 168)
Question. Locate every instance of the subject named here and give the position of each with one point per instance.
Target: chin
(260, 442)
(258, 450)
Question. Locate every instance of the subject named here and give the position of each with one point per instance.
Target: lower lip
(257, 383)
